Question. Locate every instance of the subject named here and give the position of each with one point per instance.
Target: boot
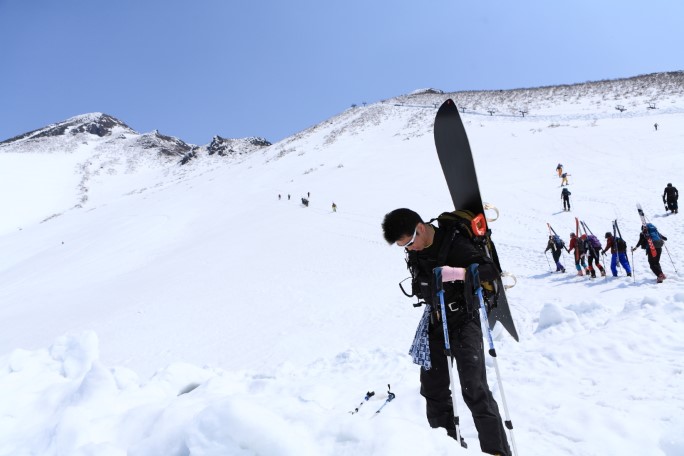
(452, 434)
(603, 272)
(580, 273)
(629, 274)
(661, 277)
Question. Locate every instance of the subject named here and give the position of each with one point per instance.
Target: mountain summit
(96, 123)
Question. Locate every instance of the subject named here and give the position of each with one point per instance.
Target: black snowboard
(456, 158)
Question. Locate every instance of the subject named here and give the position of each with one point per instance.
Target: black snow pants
(654, 261)
(566, 203)
(467, 348)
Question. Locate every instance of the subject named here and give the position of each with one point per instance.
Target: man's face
(416, 242)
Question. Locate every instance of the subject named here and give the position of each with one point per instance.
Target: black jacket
(461, 253)
(643, 243)
(553, 247)
(670, 194)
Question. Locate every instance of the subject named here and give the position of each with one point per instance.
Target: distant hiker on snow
(564, 176)
(429, 247)
(556, 245)
(580, 253)
(618, 251)
(305, 202)
(656, 126)
(650, 232)
(670, 197)
(565, 196)
(334, 207)
(559, 168)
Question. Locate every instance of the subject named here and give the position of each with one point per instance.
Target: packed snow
(191, 311)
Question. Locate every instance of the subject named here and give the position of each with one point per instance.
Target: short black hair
(399, 223)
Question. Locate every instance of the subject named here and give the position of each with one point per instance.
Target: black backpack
(473, 227)
(621, 245)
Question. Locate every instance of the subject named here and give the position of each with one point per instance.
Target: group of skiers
(588, 249)
(305, 201)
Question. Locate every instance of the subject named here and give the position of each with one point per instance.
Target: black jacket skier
(653, 260)
(556, 251)
(670, 197)
(423, 243)
(565, 196)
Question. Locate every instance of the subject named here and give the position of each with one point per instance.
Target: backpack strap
(449, 237)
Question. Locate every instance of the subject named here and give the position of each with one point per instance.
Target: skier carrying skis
(425, 244)
(593, 247)
(618, 251)
(670, 197)
(556, 245)
(657, 240)
(565, 196)
(580, 253)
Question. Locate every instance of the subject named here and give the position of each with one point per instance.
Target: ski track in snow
(277, 319)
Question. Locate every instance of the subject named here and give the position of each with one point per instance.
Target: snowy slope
(286, 316)
(89, 160)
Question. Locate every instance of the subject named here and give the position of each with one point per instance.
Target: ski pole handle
(475, 274)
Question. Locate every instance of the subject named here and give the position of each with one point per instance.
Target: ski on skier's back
(458, 167)
(644, 223)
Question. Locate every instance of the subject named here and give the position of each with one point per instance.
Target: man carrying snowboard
(425, 245)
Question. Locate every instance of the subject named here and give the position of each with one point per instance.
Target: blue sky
(270, 68)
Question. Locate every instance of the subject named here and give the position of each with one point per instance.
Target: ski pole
(668, 254)
(633, 266)
(390, 397)
(447, 349)
(605, 265)
(369, 394)
(492, 351)
(547, 261)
